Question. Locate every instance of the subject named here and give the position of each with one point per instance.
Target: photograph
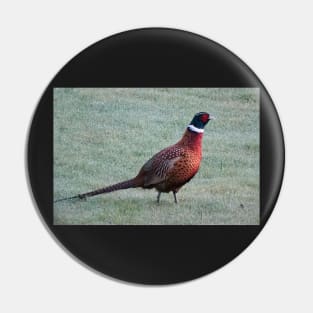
(156, 156)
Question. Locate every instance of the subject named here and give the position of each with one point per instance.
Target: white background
(274, 38)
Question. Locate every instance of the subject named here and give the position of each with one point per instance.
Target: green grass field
(104, 135)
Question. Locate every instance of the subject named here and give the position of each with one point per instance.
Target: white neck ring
(195, 129)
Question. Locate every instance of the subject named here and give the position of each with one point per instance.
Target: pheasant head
(199, 121)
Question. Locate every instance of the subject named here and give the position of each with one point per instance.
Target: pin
(173, 193)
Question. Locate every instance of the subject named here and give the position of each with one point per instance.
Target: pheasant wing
(156, 169)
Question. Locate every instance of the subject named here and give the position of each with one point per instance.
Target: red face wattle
(204, 118)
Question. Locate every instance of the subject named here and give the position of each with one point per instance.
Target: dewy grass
(104, 135)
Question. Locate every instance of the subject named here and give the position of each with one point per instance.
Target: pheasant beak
(212, 117)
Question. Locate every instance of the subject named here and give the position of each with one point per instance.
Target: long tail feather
(69, 198)
(131, 183)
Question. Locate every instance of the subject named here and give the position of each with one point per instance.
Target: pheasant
(171, 168)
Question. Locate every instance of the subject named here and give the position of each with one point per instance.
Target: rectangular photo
(156, 156)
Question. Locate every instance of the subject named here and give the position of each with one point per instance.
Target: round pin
(155, 156)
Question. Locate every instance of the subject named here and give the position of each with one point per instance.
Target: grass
(104, 135)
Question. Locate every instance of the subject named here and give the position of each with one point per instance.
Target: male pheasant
(169, 169)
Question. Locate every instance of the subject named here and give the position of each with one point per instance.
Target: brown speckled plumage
(174, 166)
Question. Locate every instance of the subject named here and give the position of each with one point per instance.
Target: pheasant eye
(204, 118)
